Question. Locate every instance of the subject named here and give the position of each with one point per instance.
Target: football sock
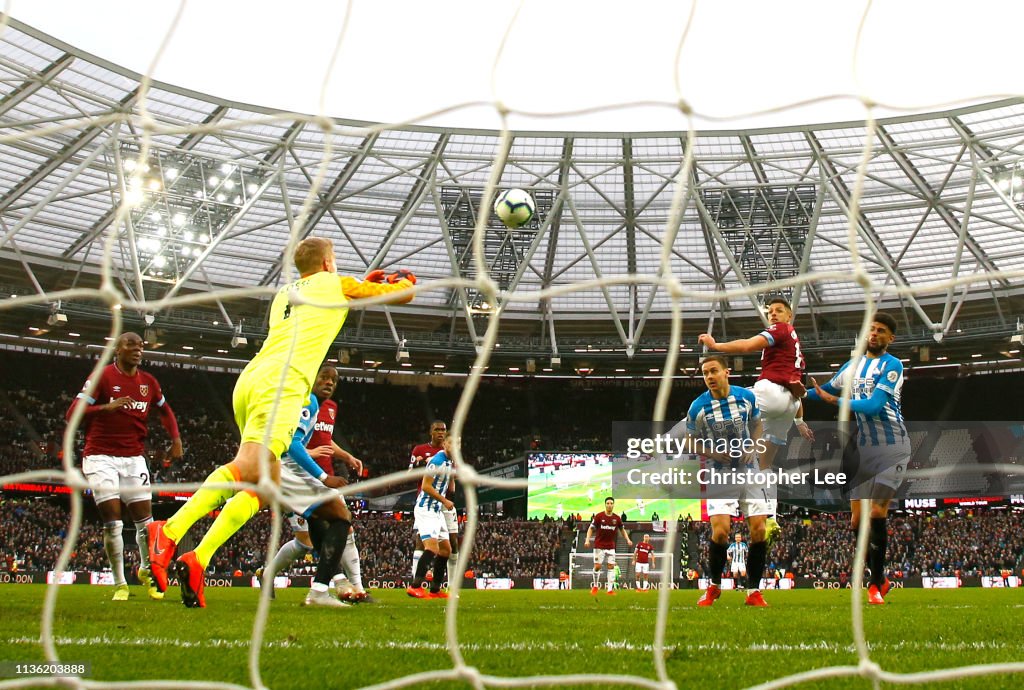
(755, 564)
(440, 573)
(113, 544)
(331, 550)
(288, 554)
(416, 555)
(716, 561)
(202, 502)
(238, 511)
(878, 540)
(142, 539)
(611, 580)
(452, 560)
(597, 578)
(426, 560)
(351, 563)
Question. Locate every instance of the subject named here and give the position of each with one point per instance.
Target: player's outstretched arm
(355, 289)
(734, 347)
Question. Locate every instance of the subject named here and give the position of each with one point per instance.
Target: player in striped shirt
(883, 442)
(730, 413)
(430, 524)
(737, 557)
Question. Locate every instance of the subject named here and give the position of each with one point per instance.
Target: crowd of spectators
(965, 543)
(32, 533)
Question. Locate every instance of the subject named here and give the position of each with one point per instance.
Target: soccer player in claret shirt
(115, 418)
(643, 559)
(267, 400)
(729, 415)
(603, 529)
(430, 525)
(779, 387)
(418, 458)
(883, 443)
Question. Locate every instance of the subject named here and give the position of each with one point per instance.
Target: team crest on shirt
(144, 389)
(331, 412)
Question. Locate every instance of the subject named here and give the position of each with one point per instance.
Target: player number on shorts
(145, 478)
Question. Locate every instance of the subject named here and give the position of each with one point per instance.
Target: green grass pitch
(516, 633)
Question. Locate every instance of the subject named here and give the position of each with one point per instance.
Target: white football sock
(350, 562)
(288, 554)
(142, 539)
(113, 544)
(416, 560)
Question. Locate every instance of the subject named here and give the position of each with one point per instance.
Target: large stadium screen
(562, 484)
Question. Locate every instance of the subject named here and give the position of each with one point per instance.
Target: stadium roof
(942, 195)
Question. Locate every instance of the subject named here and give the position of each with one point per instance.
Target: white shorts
(604, 557)
(451, 520)
(750, 507)
(642, 568)
(303, 493)
(736, 568)
(881, 470)
(297, 523)
(429, 524)
(112, 478)
(778, 407)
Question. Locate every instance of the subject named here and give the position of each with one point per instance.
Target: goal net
(475, 286)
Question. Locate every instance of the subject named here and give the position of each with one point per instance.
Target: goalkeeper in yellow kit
(268, 400)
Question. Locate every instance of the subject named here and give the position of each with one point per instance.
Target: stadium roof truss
(942, 196)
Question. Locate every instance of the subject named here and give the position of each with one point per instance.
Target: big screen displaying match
(562, 484)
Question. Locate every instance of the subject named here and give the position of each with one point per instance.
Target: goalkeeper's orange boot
(161, 553)
(417, 592)
(440, 594)
(886, 586)
(709, 596)
(190, 577)
(875, 595)
(755, 599)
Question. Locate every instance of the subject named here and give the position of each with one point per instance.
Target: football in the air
(515, 207)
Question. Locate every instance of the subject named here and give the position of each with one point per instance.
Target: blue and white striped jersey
(737, 551)
(296, 457)
(729, 418)
(871, 373)
(440, 469)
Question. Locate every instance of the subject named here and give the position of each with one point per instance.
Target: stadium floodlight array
(483, 285)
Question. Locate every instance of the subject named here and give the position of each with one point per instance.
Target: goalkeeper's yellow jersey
(301, 334)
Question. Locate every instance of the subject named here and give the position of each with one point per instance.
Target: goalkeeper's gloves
(401, 274)
(377, 276)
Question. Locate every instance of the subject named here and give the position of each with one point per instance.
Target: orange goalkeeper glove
(402, 274)
(377, 276)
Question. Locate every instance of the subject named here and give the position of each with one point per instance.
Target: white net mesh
(682, 191)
